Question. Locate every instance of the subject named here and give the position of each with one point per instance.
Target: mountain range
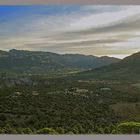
(37, 62)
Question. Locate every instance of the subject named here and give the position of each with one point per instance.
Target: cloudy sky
(85, 29)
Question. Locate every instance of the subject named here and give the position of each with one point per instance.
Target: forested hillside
(127, 69)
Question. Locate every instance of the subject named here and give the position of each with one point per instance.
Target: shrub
(129, 128)
(27, 131)
(60, 130)
(1, 131)
(46, 131)
(9, 130)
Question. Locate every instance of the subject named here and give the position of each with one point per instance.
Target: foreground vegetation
(122, 128)
(69, 106)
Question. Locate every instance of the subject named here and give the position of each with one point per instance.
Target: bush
(46, 131)
(60, 130)
(27, 131)
(1, 131)
(129, 128)
(70, 133)
(9, 130)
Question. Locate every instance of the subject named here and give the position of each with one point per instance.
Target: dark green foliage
(3, 117)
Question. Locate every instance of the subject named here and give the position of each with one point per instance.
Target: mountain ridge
(126, 69)
(23, 61)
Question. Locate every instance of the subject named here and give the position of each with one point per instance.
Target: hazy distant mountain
(21, 61)
(126, 69)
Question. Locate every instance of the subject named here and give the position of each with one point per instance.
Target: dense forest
(64, 106)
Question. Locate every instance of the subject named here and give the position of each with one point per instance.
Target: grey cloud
(128, 24)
